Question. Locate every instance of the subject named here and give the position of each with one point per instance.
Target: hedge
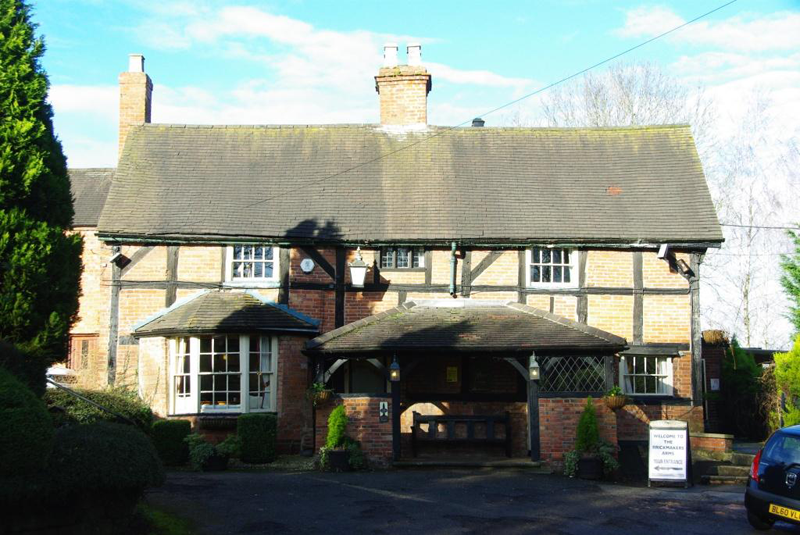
(123, 402)
(168, 437)
(26, 430)
(258, 434)
(27, 366)
(104, 457)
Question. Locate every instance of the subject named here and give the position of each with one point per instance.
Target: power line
(768, 227)
(520, 99)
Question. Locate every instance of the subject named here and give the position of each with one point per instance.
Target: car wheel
(758, 522)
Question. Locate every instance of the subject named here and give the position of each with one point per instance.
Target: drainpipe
(453, 269)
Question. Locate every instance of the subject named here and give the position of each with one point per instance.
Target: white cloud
(777, 31)
(97, 100)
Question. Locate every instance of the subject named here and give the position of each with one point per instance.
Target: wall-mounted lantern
(394, 370)
(533, 368)
(358, 270)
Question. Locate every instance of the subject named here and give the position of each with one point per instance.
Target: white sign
(668, 458)
(714, 384)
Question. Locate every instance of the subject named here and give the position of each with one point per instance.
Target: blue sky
(312, 62)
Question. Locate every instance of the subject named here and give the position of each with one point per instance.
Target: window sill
(402, 270)
(658, 400)
(252, 284)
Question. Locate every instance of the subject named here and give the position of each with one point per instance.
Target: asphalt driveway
(444, 501)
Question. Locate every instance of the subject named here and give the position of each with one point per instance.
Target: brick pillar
(135, 96)
(403, 89)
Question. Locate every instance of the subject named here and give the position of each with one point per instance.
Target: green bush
(337, 428)
(26, 430)
(123, 402)
(588, 435)
(231, 446)
(168, 437)
(741, 393)
(204, 455)
(258, 434)
(30, 367)
(104, 457)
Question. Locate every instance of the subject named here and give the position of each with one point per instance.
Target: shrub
(104, 457)
(168, 437)
(124, 402)
(26, 430)
(337, 428)
(741, 391)
(30, 367)
(588, 435)
(258, 434)
(203, 455)
(231, 446)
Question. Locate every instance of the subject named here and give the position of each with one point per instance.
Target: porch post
(533, 419)
(396, 420)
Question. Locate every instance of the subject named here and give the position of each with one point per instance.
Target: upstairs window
(402, 258)
(252, 263)
(551, 268)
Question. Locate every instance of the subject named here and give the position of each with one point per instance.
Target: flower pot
(615, 403)
(323, 396)
(590, 468)
(215, 463)
(339, 460)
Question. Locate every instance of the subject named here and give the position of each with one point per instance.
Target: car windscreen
(783, 449)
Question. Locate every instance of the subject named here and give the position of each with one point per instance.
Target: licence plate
(785, 512)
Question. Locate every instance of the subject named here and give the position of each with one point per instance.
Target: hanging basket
(615, 403)
(323, 396)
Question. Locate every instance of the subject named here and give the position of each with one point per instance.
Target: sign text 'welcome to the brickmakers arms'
(669, 451)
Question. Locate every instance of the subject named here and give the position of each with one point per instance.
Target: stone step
(742, 459)
(723, 480)
(729, 470)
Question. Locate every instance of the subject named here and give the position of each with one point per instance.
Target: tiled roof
(89, 190)
(226, 312)
(465, 325)
(370, 184)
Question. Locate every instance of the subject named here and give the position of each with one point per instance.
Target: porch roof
(465, 325)
(226, 312)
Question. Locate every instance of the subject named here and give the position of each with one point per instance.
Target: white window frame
(191, 404)
(259, 282)
(573, 255)
(666, 375)
(411, 252)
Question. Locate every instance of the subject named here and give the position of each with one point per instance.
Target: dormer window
(402, 258)
(252, 263)
(551, 268)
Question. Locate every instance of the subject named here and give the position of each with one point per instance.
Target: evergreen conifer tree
(39, 261)
(791, 281)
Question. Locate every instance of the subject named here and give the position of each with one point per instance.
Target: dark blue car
(773, 489)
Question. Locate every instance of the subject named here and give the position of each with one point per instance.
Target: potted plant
(615, 399)
(591, 457)
(335, 455)
(318, 394)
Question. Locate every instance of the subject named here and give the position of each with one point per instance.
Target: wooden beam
(487, 261)
(320, 260)
(521, 277)
(396, 420)
(696, 332)
(519, 367)
(323, 376)
(338, 315)
(638, 298)
(172, 274)
(379, 365)
(113, 324)
(283, 265)
(140, 253)
(466, 274)
(533, 419)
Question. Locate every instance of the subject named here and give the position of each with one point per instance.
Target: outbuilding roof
(465, 325)
(89, 188)
(366, 183)
(226, 312)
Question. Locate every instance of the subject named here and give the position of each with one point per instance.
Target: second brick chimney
(403, 89)
(135, 95)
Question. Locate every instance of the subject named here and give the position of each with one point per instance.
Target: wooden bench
(451, 421)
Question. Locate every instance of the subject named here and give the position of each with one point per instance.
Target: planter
(590, 468)
(323, 396)
(339, 460)
(216, 463)
(615, 403)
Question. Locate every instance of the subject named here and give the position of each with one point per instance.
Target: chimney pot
(477, 122)
(390, 55)
(135, 63)
(414, 53)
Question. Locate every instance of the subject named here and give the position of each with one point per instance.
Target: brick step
(742, 459)
(723, 480)
(729, 470)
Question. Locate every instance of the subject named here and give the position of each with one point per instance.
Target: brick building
(218, 280)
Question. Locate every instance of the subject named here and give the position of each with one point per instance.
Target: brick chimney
(135, 96)
(403, 89)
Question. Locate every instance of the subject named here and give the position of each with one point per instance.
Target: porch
(468, 363)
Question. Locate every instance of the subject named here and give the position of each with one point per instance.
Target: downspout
(453, 269)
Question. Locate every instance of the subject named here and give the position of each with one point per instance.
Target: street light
(358, 270)
(533, 368)
(394, 370)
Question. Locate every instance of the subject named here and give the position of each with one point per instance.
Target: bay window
(223, 373)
